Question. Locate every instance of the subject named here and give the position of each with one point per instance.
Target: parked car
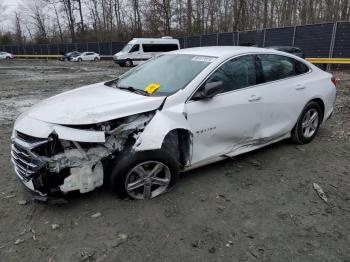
(248, 44)
(69, 55)
(175, 112)
(5, 55)
(86, 56)
(139, 50)
(289, 49)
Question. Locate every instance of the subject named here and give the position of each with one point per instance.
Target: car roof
(224, 51)
(282, 46)
(154, 41)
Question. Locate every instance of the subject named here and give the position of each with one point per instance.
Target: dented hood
(92, 104)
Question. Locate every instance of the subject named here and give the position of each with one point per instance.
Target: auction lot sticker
(151, 88)
(207, 59)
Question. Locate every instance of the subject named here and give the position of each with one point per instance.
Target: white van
(142, 49)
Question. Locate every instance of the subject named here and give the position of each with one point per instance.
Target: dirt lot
(260, 206)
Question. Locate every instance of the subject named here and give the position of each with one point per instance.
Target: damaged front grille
(51, 166)
(25, 161)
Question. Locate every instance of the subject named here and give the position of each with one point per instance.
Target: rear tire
(308, 124)
(126, 171)
(95, 59)
(8, 58)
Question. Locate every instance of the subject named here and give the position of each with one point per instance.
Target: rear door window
(149, 48)
(275, 67)
(168, 47)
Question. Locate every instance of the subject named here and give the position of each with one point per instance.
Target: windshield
(165, 74)
(126, 48)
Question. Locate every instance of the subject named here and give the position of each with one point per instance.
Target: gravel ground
(260, 206)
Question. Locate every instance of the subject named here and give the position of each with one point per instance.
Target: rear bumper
(328, 116)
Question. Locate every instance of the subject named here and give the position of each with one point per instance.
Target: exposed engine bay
(55, 165)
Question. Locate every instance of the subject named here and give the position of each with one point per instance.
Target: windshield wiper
(134, 90)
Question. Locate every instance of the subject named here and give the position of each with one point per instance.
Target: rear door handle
(300, 87)
(254, 98)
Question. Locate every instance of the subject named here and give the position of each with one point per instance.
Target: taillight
(334, 81)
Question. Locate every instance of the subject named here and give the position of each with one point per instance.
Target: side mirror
(209, 90)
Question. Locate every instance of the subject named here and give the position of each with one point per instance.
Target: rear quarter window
(301, 68)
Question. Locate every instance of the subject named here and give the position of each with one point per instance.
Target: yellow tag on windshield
(151, 88)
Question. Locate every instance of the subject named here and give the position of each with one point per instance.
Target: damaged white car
(178, 111)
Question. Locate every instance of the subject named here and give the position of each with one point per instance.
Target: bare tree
(18, 36)
(53, 4)
(37, 15)
(81, 16)
(68, 9)
(120, 20)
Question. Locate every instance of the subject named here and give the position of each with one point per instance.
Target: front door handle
(254, 98)
(300, 87)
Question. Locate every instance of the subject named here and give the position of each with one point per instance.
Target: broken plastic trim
(85, 161)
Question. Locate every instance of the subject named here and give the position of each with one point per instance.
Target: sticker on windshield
(207, 59)
(151, 88)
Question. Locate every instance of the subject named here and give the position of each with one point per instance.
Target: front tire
(144, 175)
(80, 60)
(308, 124)
(128, 63)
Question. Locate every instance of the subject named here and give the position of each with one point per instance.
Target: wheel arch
(164, 124)
(320, 102)
(317, 100)
(179, 140)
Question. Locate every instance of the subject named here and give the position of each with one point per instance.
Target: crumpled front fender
(162, 123)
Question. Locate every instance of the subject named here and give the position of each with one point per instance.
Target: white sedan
(86, 56)
(175, 112)
(5, 55)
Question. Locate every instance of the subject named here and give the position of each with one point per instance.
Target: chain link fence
(327, 40)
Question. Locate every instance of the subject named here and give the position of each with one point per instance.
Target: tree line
(54, 21)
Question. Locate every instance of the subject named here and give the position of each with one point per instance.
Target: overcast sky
(12, 5)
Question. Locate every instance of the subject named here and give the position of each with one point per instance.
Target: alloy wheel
(147, 180)
(310, 123)
(128, 63)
